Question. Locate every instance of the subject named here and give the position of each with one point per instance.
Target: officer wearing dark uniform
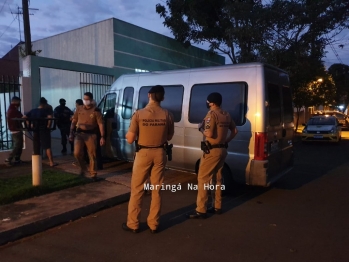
(153, 126)
(63, 114)
(86, 120)
(214, 127)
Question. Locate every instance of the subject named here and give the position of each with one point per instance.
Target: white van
(257, 96)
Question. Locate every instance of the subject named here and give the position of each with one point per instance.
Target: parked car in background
(342, 118)
(322, 128)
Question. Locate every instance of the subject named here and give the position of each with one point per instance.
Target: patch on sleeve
(207, 127)
(208, 120)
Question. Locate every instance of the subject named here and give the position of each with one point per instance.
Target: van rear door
(279, 126)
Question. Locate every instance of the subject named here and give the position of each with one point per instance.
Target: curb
(49, 222)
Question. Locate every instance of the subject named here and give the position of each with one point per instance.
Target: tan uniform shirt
(87, 118)
(218, 122)
(152, 124)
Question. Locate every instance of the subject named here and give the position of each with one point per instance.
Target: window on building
(274, 104)
(234, 100)
(172, 102)
(127, 103)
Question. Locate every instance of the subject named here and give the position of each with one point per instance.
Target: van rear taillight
(260, 146)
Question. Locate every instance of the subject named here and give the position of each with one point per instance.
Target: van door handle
(283, 132)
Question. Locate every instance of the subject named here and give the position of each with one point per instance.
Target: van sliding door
(107, 107)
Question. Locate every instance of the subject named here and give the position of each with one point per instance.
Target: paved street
(303, 217)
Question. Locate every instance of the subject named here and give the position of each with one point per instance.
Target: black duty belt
(85, 131)
(140, 146)
(219, 146)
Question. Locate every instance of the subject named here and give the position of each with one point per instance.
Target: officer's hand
(201, 126)
(102, 141)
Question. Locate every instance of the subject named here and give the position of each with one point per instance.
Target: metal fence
(9, 87)
(96, 84)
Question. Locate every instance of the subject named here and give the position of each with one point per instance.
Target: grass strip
(19, 188)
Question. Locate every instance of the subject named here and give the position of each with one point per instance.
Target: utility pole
(19, 12)
(19, 24)
(27, 36)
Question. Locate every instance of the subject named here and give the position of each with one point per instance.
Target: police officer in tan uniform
(215, 128)
(87, 118)
(152, 126)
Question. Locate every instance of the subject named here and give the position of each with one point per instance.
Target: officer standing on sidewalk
(153, 126)
(14, 127)
(86, 120)
(215, 128)
(63, 114)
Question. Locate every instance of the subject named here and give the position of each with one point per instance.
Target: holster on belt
(206, 146)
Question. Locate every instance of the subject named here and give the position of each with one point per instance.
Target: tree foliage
(340, 75)
(290, 34)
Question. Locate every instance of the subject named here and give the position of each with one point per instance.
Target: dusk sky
(58, 16)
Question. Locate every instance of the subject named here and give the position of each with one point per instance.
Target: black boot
(72, 148)
(64, 150)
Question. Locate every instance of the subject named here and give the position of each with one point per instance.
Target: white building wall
(92, 44)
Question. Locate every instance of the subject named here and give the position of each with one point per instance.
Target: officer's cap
(157, 89)
(215, 98)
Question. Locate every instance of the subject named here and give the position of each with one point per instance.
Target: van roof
(253, 64)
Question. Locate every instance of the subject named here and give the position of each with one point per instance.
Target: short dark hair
(15, 99)
(79, 102)
(62, 100)
(89, 94)
(43, 101)
(158, 97)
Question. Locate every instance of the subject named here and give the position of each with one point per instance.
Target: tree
(340, 75)
(316, 93)
(248, 30)
(290, 34)
(234, 28)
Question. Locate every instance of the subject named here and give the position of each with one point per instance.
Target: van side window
(234, 100)
(107, 105)
(287, 104)
(127, 102)
(172, 102)
(274, 103)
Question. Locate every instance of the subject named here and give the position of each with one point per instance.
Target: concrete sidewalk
(34, 215)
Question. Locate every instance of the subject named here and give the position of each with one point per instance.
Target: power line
(7, 28)
(334, 50)
(3, 6)
(20, 12)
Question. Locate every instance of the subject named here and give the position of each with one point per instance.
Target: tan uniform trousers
(153, 162)
(211, 166)
(90, 140)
